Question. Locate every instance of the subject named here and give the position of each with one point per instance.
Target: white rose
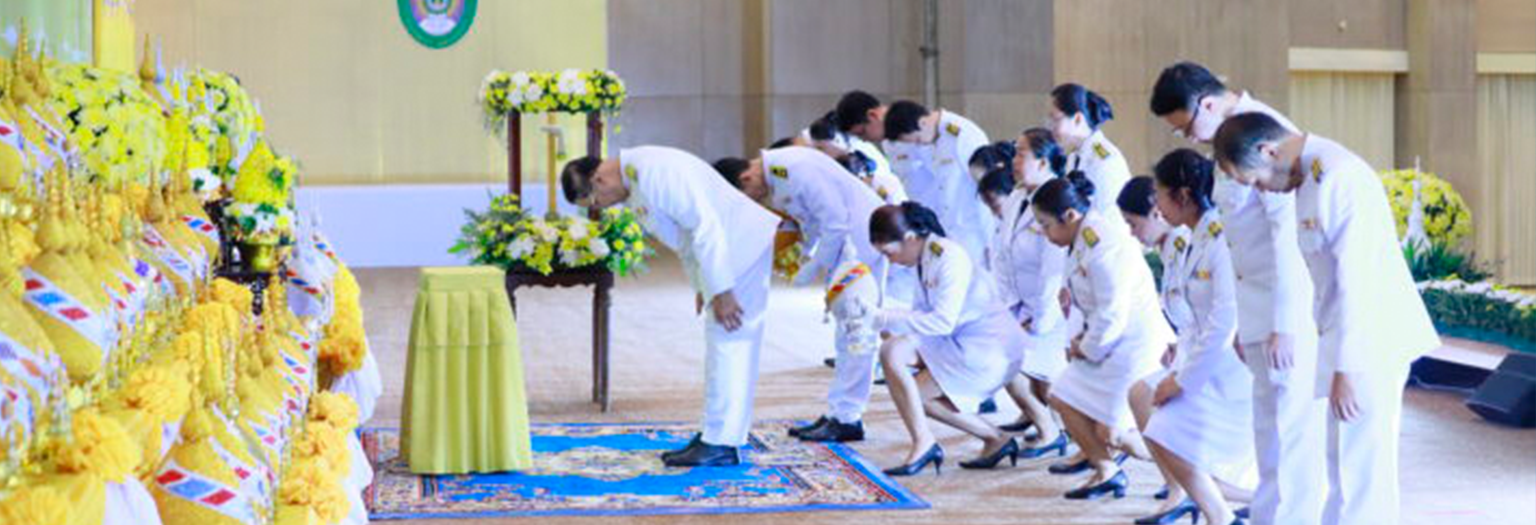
(598, 246)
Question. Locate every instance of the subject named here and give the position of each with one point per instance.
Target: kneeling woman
(1203, 424)
(1124, 334)
(957, 334)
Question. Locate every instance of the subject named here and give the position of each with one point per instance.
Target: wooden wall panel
(1367, 24)
(1506, 26)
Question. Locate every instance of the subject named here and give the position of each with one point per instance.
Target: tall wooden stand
(599, 277)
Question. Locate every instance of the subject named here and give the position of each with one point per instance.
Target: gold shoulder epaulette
(936, 249)
(1090, 237)
(1214, 228)
(1179, 243)
(1100, 150)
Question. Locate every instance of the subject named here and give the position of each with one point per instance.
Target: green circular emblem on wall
(437, 23)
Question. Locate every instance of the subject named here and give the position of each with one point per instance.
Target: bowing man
(1372, 323)
(725, 242)
(937, 173)
(1276, 334)
(833, 210)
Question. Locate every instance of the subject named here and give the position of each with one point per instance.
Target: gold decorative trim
(1506, 63)
(1348, 60)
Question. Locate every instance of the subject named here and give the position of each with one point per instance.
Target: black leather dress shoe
(1242, 513)
(831, 362)
(1171, 515)
(696, 441)
(796, 431)
(1115, 485)
(834, 431)
(705, 455)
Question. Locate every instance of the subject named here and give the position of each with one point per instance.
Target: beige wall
(347, 91)
(1506, 26)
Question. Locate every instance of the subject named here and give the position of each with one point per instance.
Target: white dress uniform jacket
(1101, 161)
(1124, 334)
(726, 243)
(1372, 324)
(938, 175)
(1210, 424)
(716, 230)
(1031, 273)
(833, 209)
(965, 336)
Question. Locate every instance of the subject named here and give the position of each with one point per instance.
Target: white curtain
(1505, 214)
(1356, 109)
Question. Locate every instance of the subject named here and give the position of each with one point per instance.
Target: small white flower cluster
(523, 89)
(570, 83)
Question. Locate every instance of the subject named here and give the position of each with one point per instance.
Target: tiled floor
(1456, 469)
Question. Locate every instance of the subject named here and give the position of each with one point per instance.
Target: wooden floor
(1456, 469)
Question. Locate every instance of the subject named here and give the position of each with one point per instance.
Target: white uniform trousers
(1362, 454)
(1288, 437)
(731, 360)
(848, 395)
(853, 376)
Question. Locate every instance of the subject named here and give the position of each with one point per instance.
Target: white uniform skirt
(1210, 432)
(976, 360)
(1045, 355)
(1101, 391)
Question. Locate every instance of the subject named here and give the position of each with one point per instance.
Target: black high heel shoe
(1017, 427)
(934, 455)
(1009, 450)
(1171, 515)
(1081, 466)
(1115, 485)
(1059, 445)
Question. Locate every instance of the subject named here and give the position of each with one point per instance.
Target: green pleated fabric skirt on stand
(465, 407)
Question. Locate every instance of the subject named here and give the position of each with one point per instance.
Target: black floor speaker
(1509, 395)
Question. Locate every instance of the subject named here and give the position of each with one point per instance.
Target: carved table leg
(600, 305)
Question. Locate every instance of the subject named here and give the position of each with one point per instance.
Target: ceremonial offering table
(465, 407)
(598, 277)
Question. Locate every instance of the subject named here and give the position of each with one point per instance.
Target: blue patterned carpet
(614, 469)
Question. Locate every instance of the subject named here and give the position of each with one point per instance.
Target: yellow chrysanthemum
(100, 447)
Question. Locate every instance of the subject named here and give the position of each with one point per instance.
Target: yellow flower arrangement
(100, 447)
(35, 504)
(232, 113)
(569, 91)
(116, 128)
(1446, 217)
(307, 483)
(345, 344)
(334, 410)
(263, 197)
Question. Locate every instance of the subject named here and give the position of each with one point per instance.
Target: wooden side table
(601, 281)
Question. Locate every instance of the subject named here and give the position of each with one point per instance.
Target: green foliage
(1435, 260)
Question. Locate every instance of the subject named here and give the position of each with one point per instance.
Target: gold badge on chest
(953, 129)
(1100, 150)
(631, 173)
(935, 249)
(1317, 170)
(1090, 237)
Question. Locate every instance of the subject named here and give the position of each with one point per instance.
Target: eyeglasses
(1188, 130)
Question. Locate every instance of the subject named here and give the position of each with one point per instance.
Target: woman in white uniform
(1123, 335)
(1137, 203)
(1075, 117)
(1203, 425)
(1031, 273)
(956, 333)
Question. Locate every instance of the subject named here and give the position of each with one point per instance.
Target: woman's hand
(1167, 390)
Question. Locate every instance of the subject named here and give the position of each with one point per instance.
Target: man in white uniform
(1274, 299)
(833, 211)
(1372, 323)
(726, 244)
(937, 173)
